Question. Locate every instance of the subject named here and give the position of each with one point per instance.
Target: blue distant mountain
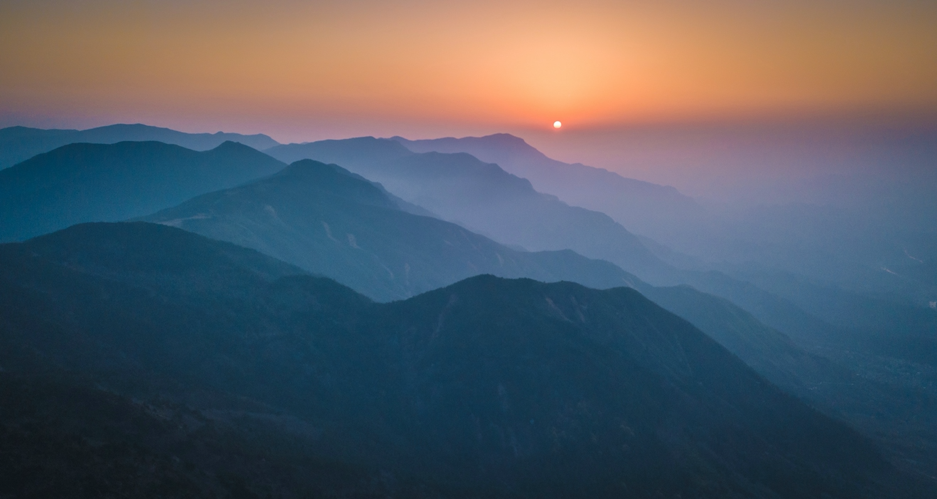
(110, 182)
(21, 143)
(485, 199)
(332, 222)
(638, 205)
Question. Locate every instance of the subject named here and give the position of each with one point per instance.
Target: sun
(557, 124)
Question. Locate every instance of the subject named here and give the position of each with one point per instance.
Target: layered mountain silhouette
(489, 387)
(490, 201)
(337, 224)
(836, 241)
(21, 143)
(816, 242)
(332, 222)
(95, 182)
(880, 379)
(321, 218)
(642, 207)
(484, 198)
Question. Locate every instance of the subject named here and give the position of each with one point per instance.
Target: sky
(301, 70)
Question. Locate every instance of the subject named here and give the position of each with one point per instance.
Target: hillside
(489, 387)
(485, 199)
(100, 183)
(332, 222)
(19, 143)
(641, 207)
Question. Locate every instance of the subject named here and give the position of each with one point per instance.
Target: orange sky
(307, 70)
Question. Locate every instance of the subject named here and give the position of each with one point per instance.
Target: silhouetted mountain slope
(639, 206)
(859, 249)
(488, 200)
(489, 387)
(898, 414)
(69, 438)
(334, 223)
(21, 143)
(91, 182)
(767, 350)
(484, 198)
(894, 328)
(330, 221)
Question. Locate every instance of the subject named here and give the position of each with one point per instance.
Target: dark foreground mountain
(485, 199)
(334, 223)
(207, 369)
(100, 183)
(21, 143)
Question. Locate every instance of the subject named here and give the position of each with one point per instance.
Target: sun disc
(557, 124)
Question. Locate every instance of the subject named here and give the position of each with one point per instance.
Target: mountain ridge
(339, 224)
(477, 195)
(636, 204)
(109, 182)
(20, 143)
(488, 387)
(333, 222)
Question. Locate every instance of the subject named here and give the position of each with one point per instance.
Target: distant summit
(641, 207)
(484, 198)
(110, 182)
(21, 143)
(494, 147)
(332, 222)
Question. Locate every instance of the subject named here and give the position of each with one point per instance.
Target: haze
(501, 249)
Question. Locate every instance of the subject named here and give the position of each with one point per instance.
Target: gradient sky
(301, 70)
(675, 92)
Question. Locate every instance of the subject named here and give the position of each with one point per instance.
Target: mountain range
(489, 387)
(866, 359)
(483, 198)
(21, 143)
(332, 222)
(110, 182)
(864, 247)
(85, 182)
(642, 207)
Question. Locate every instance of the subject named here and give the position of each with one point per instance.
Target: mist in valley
(509, 251)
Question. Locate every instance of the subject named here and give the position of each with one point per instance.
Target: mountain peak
(93, 182)
(329, 180)
(641, 206)
(21, 143)
(494, 148)
(311, 167)
(504, 138)
(231, 145)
